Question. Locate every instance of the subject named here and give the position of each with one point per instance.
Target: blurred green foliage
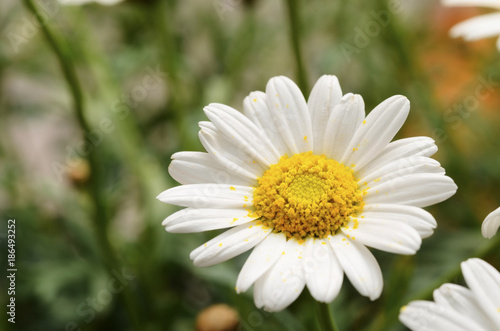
(203, 52)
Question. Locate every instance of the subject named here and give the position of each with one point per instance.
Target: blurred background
(91, 253)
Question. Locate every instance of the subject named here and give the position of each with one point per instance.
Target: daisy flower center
(307, 195)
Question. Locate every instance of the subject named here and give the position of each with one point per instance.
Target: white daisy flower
(459, 308)
(480, 27)
(491, 224)
(309, 185)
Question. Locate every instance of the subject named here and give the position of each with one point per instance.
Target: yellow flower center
(307, 195)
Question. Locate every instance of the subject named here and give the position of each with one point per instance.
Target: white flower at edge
(480, 27)
(458, 308)
(491, 224)
(245, 177)
(83, 2)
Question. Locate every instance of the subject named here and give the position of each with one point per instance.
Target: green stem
(163, 15)
(325, 317)
(94, 191)
(66, 66)
(293, 11)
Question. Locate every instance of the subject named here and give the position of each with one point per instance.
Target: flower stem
(94, 191)
(66, 66)
(293, 11)
(325, 317)
(162, 14)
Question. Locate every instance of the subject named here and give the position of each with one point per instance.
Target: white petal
(359, 265)
(484, 282)
(422, 221)
(491, 224)
(399, 168)
(323, 273)
(243, 133)
(429, 316)
(234, 159)
(462, 300)
(290, 114)
(472, 3)
(199, 168)
(283, 283)
(377, 130)
(224, 150)
(385, 235)
(263, 256)
(399, 149)
(419, 190)
(229, 244)
(325, 95)
(205, 219)
(343, 122)
(208, 196)
(208, 127)
(479, 27)
(255, 108)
